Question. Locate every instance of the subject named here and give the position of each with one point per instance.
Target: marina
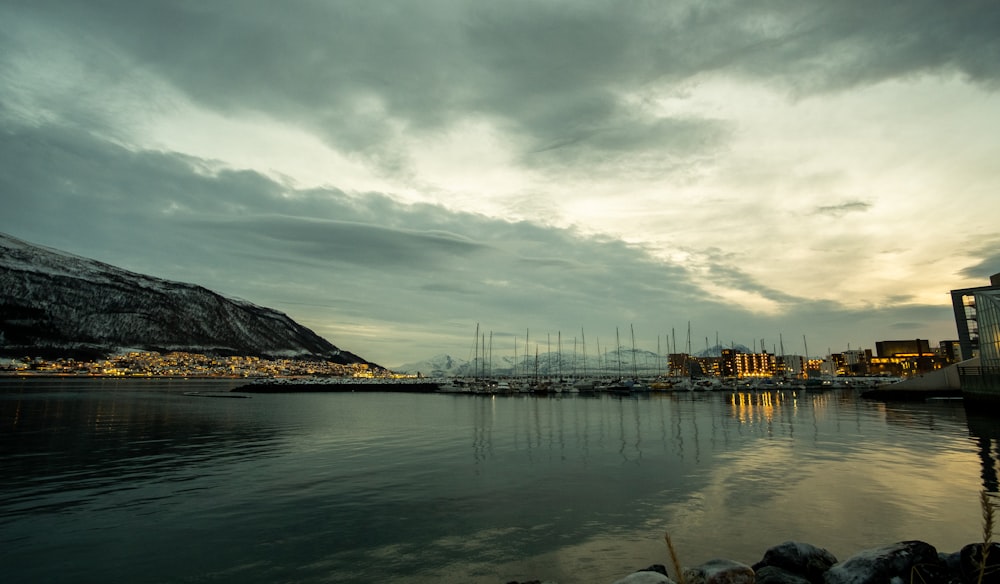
(560, 386)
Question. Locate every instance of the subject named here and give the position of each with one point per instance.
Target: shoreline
(312, 384)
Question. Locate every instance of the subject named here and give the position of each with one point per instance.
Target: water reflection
(984, 428)
(106, 443)
(440, 488)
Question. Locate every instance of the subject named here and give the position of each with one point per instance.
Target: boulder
(907, 561)
(645, 577)
(656, 568)
(970, 559)
(719, 572)
(776, 575)
(801, 559)
(952, 562)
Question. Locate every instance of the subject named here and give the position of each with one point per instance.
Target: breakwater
(294, 386)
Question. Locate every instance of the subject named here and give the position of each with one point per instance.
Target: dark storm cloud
(243, 233)
(66, 179)
(571, 87)
(349, 242)
(328, 257)
(552, 74)
(988, 265)
(639, 147)
(723, 274)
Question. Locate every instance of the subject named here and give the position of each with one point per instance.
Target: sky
(394, 174)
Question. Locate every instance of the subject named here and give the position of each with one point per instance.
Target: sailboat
(618, 386)
(585, 384)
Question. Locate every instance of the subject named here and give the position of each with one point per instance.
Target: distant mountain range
(642, 362)
(56, 304)
(546, 364)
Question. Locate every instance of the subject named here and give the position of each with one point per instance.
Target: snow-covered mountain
(716, 351)
(436, 366)
(626, 362)
(611, 363)
(55, 303)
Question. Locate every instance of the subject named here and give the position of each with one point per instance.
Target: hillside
(56, 304)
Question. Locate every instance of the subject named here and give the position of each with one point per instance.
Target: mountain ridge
(56, 303)
(552, 363)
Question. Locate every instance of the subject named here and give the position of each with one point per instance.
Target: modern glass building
(988, 317)
(964, 303)
(977, 317)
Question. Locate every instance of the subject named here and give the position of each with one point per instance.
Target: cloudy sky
(392, 173)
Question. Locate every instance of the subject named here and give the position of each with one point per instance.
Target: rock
(906, 561)
(645, 577)
(952, 562)
(651, 575)
(719, 572)
(801, 559)
(970, 559)
(776, 575)
(656, 568)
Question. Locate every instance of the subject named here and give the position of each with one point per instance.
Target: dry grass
(674, 560)
(989, 517)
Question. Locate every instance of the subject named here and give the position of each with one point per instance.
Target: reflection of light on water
(759, 407)
(844, 492)
(475, 489)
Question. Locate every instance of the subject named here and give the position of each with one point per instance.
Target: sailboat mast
(687, 352)
(635, 374)
(514, 369)
(475, 358)
(548, 354)
(805, 367)
(673, 343)
(559, 352)
(659, 353)
(527, 347)
(574, 358)
(618, 351)
(784, 360)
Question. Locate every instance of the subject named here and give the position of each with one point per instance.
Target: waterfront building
(791, 365)
(727, 362)
(905, 358)
(754, 364)
(853, 362)
(686, 365)
(966, 308)
(977, 318)
(917, 347)
(828, 367)
(950, 351)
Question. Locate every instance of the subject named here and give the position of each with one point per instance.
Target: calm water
(133, 481)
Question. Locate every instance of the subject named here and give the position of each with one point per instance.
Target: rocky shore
(906, 562)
